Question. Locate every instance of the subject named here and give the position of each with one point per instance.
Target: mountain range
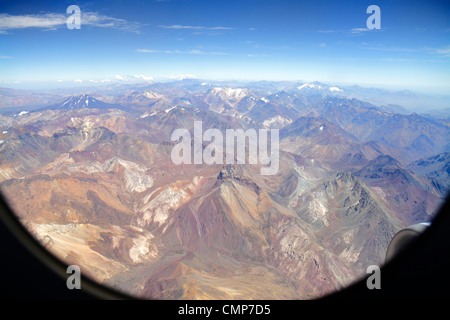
(90, 175)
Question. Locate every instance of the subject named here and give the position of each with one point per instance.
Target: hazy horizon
(325, 41)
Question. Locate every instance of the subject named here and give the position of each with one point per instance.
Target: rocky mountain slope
(96, 184)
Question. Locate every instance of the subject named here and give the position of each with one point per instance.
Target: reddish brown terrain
(93, 180)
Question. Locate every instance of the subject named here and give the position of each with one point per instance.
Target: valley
(91, 176)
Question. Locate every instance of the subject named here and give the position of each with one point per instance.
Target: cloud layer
(51, 21)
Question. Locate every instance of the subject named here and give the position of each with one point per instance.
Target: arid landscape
(89, 173)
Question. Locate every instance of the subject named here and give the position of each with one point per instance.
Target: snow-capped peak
(318, 86)
(82, 101)
(230, 93)
(152, 95)
(310, 85)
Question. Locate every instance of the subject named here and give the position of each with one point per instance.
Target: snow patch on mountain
(230, 93)
(310, 85)
(137, 180)
(152, 95)
(276, 122)
(318, 86)
(157, 210)
(170, 109)
(142, 249)
(146, 114)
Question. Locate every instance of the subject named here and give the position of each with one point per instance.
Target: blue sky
(128, 41)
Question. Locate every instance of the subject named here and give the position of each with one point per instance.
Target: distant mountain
(316, 138)
(344, 210)
(320, 88)
(436, 168)
(11, 99)
(164, 122)
(229, 100)
(394, 108)
(93, 180)
(398, 101)
(415, 135)
(410, 199)
(317, 127)
(81, 101)
(266, 109)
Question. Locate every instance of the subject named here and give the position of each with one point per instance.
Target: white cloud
(119, 77)
(357, 30)
(78, 80)
(354, 31)
(194, 51)
(96, 20)
(177, 26)
(182, 77)
(5, 57)
(143, 77)
(440, 52)
(51, 21)
(148, 51)
(443, 51)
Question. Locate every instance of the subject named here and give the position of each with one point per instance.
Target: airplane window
(224, 150)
